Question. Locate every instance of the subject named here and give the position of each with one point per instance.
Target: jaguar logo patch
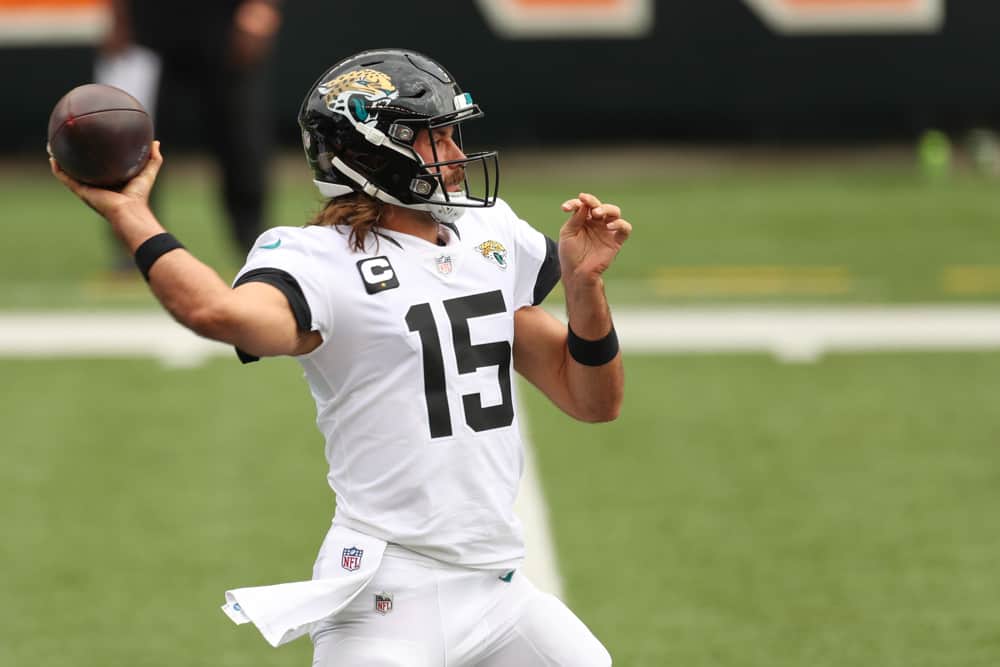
(494, 252)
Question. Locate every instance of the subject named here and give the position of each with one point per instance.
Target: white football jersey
(412, 382)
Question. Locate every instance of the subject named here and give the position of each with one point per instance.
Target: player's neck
(409, 221)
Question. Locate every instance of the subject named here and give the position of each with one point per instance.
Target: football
(100, 135)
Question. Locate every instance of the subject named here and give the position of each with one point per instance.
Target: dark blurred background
(706, 71)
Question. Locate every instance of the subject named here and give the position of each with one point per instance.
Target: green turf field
(740, 512)
(744, 512)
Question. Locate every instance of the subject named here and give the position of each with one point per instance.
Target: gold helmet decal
(369, 82)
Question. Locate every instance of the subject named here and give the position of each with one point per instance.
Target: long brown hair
(357, 210)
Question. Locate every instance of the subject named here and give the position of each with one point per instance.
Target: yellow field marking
(761, 280)
(971, 279)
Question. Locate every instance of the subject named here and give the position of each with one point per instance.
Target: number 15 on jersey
(469, 357)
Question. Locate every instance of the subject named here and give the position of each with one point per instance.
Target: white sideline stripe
(800, 333)
(791, 334)
(109, 335)
(806, 333)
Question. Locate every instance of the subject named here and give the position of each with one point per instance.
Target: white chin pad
(439, 211)
(443, 213)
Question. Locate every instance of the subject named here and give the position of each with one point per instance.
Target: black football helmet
(359, 122)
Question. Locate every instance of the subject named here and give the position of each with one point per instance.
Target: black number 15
(420, 319)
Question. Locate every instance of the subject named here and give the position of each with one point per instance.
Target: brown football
(100, 135)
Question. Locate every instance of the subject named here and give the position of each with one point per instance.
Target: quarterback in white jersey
(430, 329)
(408, 300)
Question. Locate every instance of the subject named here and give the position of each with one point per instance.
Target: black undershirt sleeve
(548, 274)
(288, 286)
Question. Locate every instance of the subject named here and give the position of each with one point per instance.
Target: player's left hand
(591, 238)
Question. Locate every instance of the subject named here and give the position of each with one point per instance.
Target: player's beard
(455, 178)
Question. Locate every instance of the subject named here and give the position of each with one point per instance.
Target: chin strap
(446, 214)
(439, 211)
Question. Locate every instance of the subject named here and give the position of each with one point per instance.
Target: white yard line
(797, 334)
(800, 333)
(807, 333)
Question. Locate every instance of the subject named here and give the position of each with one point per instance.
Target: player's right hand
(109, 203)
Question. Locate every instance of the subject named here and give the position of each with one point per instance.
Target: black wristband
(593, 352)
(152, 249)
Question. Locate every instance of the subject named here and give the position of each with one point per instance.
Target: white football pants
(445, 616)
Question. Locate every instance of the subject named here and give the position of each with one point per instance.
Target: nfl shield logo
(444, 264)
(383, 603)
(351, 558)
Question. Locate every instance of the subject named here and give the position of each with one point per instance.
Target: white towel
(283, 612)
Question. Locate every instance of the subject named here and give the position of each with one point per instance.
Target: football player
(408, 300)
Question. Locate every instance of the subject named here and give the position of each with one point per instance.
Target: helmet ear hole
(402, 133)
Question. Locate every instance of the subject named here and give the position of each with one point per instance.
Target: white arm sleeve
(537, 263)
(288, 249)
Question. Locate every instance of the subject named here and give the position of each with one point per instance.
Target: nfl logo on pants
(383, 603)
(350, 560)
